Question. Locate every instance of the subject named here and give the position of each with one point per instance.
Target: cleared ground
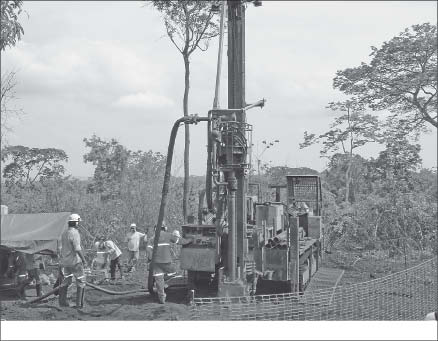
(142, 306)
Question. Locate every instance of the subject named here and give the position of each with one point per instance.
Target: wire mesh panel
(304, 189)
(406, 295)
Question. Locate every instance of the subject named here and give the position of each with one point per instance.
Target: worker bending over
(114, 254)
(163, 263)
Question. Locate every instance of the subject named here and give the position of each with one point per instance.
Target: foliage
(111, 160)
(11, 32)
(401, 77)
(11, 29)
(8, 95)
(334, 177)
(28, 165)
(189, 24)
(349, 131)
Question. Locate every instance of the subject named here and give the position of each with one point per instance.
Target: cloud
(144, 100)
(86, 70)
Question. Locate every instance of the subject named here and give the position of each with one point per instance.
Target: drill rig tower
(221, 248)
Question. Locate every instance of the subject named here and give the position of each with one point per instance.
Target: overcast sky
(108, 68)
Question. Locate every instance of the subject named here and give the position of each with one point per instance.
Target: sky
(107, 68)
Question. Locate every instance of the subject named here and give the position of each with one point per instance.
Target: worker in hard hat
(72, 262)
(163, 266)
(133, 238)
(114, 255)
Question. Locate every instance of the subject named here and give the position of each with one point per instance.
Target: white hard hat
(176, 233)
(133, 225)
(74, 217)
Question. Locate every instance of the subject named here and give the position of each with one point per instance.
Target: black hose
(165, 191)
(51, 292)
(110, 292)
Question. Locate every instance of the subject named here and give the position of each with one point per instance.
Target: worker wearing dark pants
(115, 263)
(28, 270)
(114, 254)
(163, 266)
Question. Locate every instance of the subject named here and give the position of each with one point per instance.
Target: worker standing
(72, 262)
(133, 238)
(114, 254)
(163, 266)
(33, 272)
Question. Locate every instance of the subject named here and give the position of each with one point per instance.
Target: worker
(100, 261)
(33, 273)
(24, 268)
(163, 266)
(133, 238)
(432, 316)
(72, 262)
(114, 255)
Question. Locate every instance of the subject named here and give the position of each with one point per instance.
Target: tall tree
(24, 165)
(190, 25)
(349, 131)
(401, 77)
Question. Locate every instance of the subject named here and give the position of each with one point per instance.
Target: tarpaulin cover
(31, 233)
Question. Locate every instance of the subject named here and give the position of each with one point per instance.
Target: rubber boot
(57, 283)
(80, 293)
(38, 290)
(159, 282)
(63, 301)
(22, 292)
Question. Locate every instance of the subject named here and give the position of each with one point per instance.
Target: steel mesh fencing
(406, 295)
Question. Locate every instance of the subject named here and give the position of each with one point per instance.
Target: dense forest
(391, 204)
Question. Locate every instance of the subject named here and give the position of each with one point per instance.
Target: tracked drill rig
(229, 253)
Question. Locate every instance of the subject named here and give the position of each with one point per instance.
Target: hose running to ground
(110, 292)
(165, 190)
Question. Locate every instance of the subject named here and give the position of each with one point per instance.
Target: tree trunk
(347, 182)
(187, 138)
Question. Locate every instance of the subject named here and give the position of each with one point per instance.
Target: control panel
(203, 235)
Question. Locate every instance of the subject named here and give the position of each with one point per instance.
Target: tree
(111, 160)
(11, 32)
(349, 131)
(29, 165)
(11, 29)
(401, 77)
(143, 179)
(190, 25)
(8, 95)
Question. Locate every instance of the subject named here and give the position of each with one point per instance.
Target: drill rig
(231, 252)
(220, 249)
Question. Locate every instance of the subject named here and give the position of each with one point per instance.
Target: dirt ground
(142, 306)
(99, 305)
